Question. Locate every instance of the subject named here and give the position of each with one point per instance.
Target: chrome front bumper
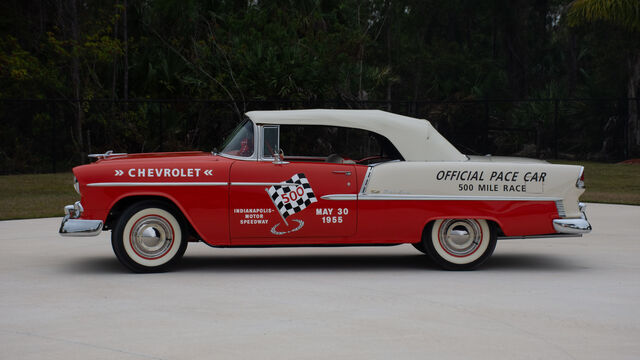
(72, 226)
(573, 226)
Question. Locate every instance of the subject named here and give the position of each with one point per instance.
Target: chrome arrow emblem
(119, 172)
(208, 172)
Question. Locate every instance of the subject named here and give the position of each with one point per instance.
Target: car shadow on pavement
(537, 262)
(96, 265)
(368, 262)
(320, 263)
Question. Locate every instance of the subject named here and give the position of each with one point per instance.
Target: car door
(292, 202)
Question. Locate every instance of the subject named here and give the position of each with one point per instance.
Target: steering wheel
(246, 147)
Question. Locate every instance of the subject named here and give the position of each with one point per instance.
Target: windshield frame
(232, 136)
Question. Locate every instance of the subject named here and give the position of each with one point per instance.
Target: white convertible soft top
(415, 139)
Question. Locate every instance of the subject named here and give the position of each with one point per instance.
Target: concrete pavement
(571, 298)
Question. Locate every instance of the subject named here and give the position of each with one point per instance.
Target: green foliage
(23, 74)
(314, 51)
(307, 50)
(623, 13)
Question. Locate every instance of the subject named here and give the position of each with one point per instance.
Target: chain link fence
(40, 136)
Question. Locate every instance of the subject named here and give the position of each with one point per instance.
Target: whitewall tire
(459, 244)
(149, 236)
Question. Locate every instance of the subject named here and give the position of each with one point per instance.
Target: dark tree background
(446, 53)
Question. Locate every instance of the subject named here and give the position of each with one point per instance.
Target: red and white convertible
(324, 177)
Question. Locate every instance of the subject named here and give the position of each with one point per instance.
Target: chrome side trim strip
(451, 197)
(306, 158)
(547, 236)
(119, 184)
(244, 158)
(365, 182)
(264, 184)
(340, 197)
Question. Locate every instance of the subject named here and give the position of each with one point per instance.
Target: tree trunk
(516, 49)
(75, 80)
(572, 71)
(126, 54)
(633, 147)
(114, 79)
(388, 25)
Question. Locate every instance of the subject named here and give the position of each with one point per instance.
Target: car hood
(504, 159)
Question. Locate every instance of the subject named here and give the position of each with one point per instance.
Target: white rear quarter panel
(479, 180)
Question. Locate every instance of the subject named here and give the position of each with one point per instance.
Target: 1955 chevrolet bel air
(324, 177)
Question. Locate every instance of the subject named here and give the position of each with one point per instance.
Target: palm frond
(623, 13)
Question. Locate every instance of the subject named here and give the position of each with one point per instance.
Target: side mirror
(278, 157)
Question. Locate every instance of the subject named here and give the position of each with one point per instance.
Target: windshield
(240, 142)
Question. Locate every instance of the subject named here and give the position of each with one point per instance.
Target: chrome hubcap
(460, 237)
(152, 237)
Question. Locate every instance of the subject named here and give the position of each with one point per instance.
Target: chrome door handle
(347, 173)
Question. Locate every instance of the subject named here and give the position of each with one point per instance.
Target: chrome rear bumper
(573, 226)
(71, 226)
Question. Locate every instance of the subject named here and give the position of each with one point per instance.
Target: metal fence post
(555, 129)
(161, 131)
(538, 137)
(485, 140)
(52, 139)
(634, 146)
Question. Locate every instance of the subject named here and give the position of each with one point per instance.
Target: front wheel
(149, 237)
(459, 244)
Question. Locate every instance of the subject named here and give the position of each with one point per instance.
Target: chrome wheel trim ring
(151, 237)
(460, 237)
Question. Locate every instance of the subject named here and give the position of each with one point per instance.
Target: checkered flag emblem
(292, 199)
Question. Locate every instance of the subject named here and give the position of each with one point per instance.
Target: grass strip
(35, 196)
(609, 183)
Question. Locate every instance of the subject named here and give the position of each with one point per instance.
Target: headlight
(76, 185)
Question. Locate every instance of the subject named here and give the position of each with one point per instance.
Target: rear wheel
(149, 236)
(459, 244)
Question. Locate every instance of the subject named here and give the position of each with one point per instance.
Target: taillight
(580, 182)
